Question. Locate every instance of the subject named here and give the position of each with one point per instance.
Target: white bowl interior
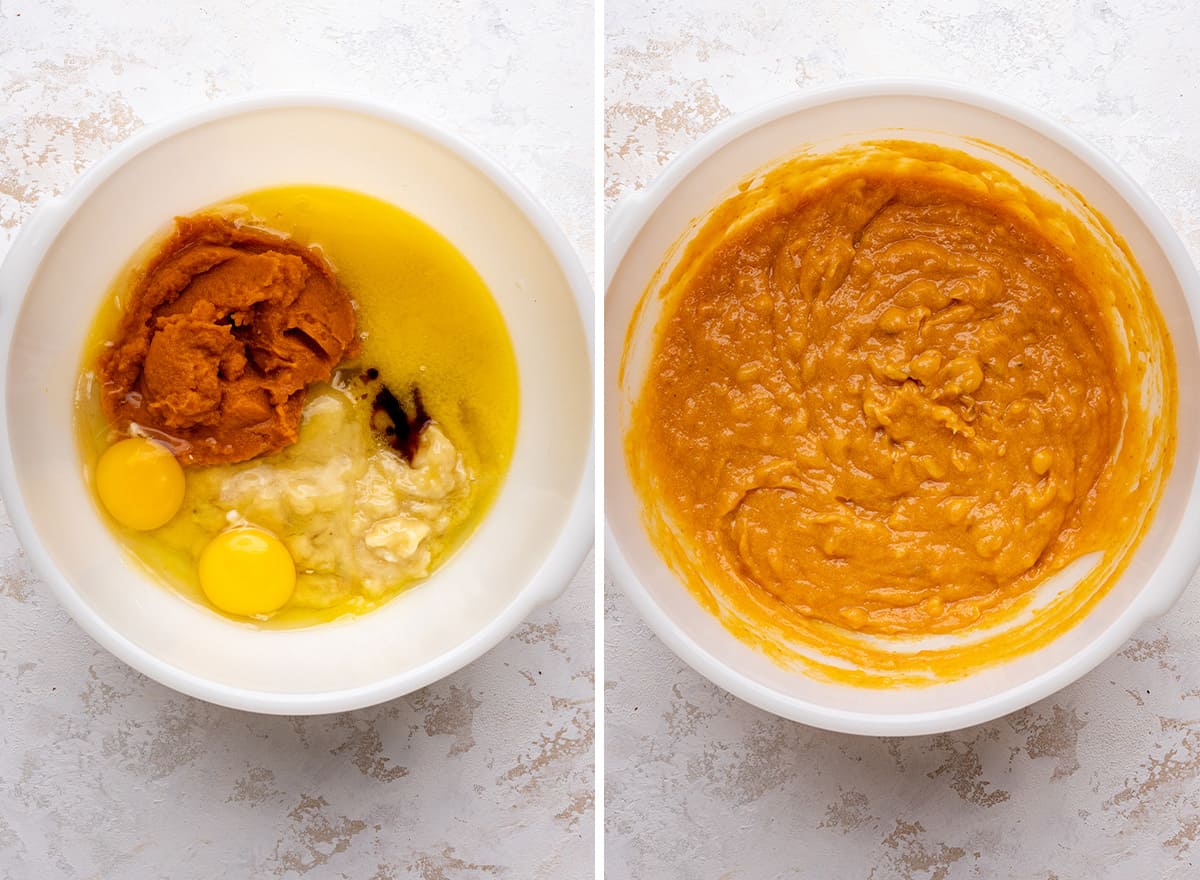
(222, 158)
(1148, 585)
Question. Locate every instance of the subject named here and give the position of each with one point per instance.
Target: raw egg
(140, 483)
(247, 571)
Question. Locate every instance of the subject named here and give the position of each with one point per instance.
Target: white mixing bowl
(647, 226)
(531, 542)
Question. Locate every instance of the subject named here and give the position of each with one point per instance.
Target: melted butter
(427, 321)
(892, 393)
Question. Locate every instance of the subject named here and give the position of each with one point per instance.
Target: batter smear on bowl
(891, 394)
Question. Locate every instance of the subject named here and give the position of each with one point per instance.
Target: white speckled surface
(104, 774)
(1102, 780)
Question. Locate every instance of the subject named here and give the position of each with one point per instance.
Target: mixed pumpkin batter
(892, 392)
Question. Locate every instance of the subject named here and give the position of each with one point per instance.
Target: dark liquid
(401, 425)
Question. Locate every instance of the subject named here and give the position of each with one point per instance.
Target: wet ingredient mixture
(289, 432)
(889, 397)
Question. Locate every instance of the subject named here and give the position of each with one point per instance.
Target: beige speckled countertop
(104, 774)
(1101, 780)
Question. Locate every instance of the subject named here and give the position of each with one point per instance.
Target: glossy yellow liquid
(427, 320)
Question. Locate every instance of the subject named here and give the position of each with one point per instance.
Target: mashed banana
(891, 393)
(355, 516)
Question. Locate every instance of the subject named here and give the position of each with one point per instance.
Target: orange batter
(889, 395)
(224, 332)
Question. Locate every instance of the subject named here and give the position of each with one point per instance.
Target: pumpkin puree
(891, 392)
(223, 333)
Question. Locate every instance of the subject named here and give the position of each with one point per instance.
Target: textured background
(104, 774)
(1102, 780)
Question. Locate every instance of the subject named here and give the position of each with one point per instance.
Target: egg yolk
(140, 483)
(247, 571)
